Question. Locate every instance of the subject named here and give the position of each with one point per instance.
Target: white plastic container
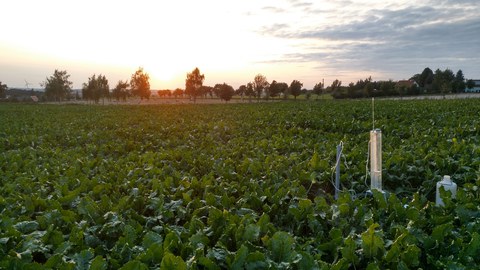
(376, 159)
(448, 185)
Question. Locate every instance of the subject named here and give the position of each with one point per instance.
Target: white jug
(448, 185)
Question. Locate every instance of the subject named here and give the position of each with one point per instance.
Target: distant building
(475, 89)
(406, 83)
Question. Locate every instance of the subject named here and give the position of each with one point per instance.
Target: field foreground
(239, 186)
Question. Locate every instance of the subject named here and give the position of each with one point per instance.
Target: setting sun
(163, 75)
(231, 41)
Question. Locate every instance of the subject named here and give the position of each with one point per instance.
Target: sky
(233, 40)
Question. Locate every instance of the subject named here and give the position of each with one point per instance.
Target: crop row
(244, 186)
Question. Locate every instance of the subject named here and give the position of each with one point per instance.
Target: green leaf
(305, 204)
(264, 223)
(411, 256)
(199, 240)
(252, 232)
(82, 259)
(256, 260)
(151, 238)
(342, 264)
(439, 232)
(88, 208)
(393, 254)
(129, 234)
(349, 249)
(153, 254)
(172, 262)
(402, 266)
(307, 262)
(473, 247)
(135, 265)
(98, 263)
(76, 236)
(280, 246)
(207, 263)
(218, 254)
(53, 237)
(240, 258)
(314, 162)
(412, 213)
(380, 199)
(372, 242)
(344, 209)
(373, 266)
(55, 261)
(27, 226)
(63, 248)
(172, 242)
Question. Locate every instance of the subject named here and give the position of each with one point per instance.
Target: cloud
(277, 29)
(390, 39)
(273, 9)
(300, 4)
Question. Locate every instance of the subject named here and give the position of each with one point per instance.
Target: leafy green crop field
(238, 186)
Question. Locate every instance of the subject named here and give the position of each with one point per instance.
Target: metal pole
(337, 171)
(376, 159)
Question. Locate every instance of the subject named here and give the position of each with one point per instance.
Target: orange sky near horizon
(229, 41)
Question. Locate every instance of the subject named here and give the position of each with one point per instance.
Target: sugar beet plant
(244, 186)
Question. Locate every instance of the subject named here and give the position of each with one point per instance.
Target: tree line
(58, 87)
(3, 90)
(257, 89)
(427, 82)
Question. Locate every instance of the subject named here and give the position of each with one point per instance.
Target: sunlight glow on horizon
(167, 39)
(229, 41)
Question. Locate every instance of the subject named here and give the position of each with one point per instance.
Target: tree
(193, 83)
(470, 84)
(296, 88)
(387, 87)
(426, 79)
(241, 90)
(250, 91)
(351, 90)
(3, 90)
(282, 88)
(140, 84)
(416, 78)
(368, 89)
(88, 89)
(260, 83)
(277, 88)
(57, 86)
(224, 91)
(335, 86)
(164, 93)
(96, 88)
(103, 87)
(121, 91)
(272, 89)
(318, 89)
(459, 82)
(206, 90)
(178, 93)
(443, 81)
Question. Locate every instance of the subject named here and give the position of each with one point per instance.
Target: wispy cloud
(389, 39)
(300, 4)
(348, 39)
(274, 9)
